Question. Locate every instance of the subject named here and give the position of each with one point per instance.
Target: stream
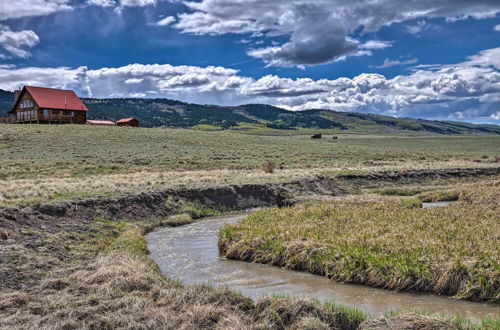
(189, 254)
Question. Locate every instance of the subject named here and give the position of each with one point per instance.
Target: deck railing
(39, 118)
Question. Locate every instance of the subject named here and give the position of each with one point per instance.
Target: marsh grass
(487, 323)
(397, 245)
(178, 220)
(104, 279)
(197, 211)
(397, 191)
(439, 196)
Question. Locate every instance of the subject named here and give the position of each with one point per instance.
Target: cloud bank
(465, 91)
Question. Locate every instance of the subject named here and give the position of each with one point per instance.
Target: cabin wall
(62, 116)
(132, 123)
(26, 109)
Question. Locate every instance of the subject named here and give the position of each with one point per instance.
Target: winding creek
(189, 254)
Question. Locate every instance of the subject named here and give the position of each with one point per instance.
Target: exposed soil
(378, 179)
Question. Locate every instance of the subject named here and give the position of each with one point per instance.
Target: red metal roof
(125, 120)
(100, 122)
(50, 98)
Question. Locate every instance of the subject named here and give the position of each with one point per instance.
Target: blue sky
(431, 59)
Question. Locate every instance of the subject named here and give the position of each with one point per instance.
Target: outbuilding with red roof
(132, 122)
(101, 122)
(47, 105)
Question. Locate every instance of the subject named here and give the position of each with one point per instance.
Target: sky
(432, 59)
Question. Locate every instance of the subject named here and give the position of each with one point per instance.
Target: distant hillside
(6, 99)
(171, 113)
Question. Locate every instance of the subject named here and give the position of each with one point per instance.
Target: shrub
(4, 234)
(178, 220)
(197, 211)
(269, 167)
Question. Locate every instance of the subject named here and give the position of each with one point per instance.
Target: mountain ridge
(172, 113)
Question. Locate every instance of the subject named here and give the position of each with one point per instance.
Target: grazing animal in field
(334, 137)
(316, 136)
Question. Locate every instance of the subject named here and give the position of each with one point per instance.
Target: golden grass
(452, 250)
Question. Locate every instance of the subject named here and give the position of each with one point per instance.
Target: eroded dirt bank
(235, 197)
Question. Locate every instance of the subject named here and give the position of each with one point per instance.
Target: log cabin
(46, 105)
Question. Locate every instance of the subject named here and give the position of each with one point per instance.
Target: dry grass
(121, 290)
(104, 280)
(452, 250)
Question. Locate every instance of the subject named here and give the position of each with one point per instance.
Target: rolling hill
(172, 113)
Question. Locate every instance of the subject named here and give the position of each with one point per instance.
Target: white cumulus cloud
(14, 42)
(27, 8)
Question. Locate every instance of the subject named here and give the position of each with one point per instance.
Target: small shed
(100, 122)
(132, 122)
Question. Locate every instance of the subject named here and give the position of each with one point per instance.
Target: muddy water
(189, 254)
(436, 204)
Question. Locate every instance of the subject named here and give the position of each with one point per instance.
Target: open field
(41, 162)
(393, 244)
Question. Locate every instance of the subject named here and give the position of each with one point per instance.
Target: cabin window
(27, 104)
(72, 113)
(46, 112)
